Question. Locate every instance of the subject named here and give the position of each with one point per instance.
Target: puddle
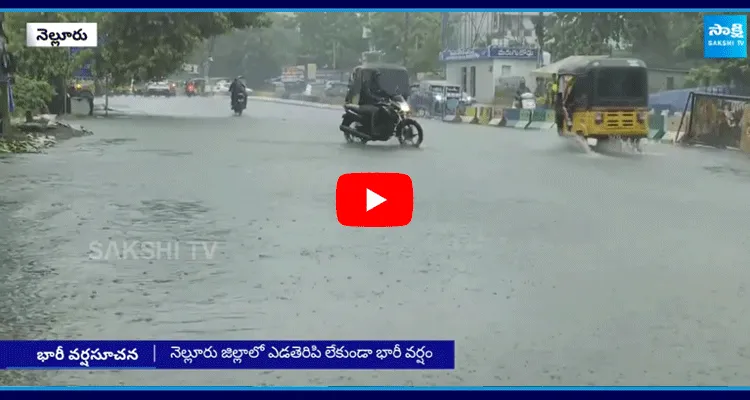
(717, 169)
(164, 152)
(114, 141)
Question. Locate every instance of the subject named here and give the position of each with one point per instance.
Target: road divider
(524, 120)
(662, 126)
(301, 103)
(470, 115)
(657, 124)
(542, 119)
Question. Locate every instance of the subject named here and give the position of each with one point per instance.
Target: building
(479, 71)
(476, 29)
(486, 50)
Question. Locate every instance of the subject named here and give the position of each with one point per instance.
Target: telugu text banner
(257, 354)
(61, 34)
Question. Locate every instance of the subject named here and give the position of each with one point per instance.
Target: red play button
(374, 200)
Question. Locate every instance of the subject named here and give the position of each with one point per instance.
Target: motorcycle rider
(372, 94)
(235, 88)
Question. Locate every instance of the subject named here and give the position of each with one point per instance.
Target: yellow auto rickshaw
(605, 98)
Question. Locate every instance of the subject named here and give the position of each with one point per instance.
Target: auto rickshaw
(394, 79)
(605, 98)
(81, 89)
(195, 87)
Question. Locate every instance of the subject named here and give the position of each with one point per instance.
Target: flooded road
(548, 266)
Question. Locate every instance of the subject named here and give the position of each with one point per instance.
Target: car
(161, 88)
(222, 87)
(336, 88)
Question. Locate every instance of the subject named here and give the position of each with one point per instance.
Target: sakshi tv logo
(724, 36)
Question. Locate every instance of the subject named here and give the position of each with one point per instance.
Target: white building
(473, 29)
(488, 49)
(480, 71)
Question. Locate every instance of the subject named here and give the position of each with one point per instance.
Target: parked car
(222, 87)
(161, 88)
(336, 88)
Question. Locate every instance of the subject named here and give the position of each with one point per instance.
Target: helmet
(376, 78)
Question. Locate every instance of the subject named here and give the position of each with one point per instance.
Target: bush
(31, 95)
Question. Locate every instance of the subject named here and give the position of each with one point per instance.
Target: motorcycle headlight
(404, 107)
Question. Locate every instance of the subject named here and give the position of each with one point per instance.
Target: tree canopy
(410, 37)
(568, 34)
(256, 53)
(715, 70)
(131, 45)
(153, 45)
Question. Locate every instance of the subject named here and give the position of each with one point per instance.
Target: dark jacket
(236, 87)
(371, 94)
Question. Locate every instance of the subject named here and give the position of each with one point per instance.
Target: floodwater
(546, 264)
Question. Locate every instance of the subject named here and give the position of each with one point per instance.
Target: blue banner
(490, 53)
(162, 354)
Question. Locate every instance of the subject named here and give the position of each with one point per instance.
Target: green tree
(714, 71)
(569, 34)
(328, 38)
(43, 63)
(144, 46)
(415, 39)
(255, 53)
(41, 72)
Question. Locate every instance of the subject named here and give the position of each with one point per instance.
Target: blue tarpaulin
(675, 100)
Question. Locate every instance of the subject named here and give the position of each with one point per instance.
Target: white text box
(61, 34)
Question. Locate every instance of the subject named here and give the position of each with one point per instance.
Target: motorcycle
(392, 119)
(240, 103)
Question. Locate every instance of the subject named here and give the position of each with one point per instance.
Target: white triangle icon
(373, 200)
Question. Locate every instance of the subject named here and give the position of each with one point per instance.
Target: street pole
(406, 39)
(444, 31)
(334, 54)
(540, 40)
(209, 59)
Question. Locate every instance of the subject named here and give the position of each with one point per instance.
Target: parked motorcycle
(240, 103)
(391, 120)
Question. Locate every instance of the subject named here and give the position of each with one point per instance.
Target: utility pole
(540, 40)
(406, 39)
(4, 81)
(335, 45)
(209, 60)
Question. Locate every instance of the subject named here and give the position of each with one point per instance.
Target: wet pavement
(547, 265)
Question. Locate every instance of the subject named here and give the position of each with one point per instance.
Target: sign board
(85, 72)
(293, 74)
(489, 53)
(190, 68)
